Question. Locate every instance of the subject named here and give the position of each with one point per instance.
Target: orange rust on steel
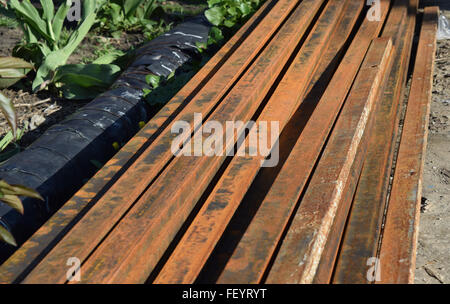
(329, 254)
(174, 195)
(364, 224)
(170, 199)
(399, 240)
(203, 234)
(15, 267)
(163, 198)
(335, 47)
(254, 251)
(302, 247)
(133, 182)
(326, 264)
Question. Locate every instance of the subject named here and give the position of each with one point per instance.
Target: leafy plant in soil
(225, 15)
(83, 81)
(9, 194)
(117, 16)
(228, 14)
(43, 42)
(12, 69)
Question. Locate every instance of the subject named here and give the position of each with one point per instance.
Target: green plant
(7, 108)
(84, 81)
(11, 70)
(228, 13)
(127, 15)
(9, 195)
(42, 34)
(9, 138)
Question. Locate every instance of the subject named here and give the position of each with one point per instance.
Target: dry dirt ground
(433, 251)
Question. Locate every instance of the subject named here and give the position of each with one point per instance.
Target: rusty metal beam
(32, 251)
(399, 240)
(302, 247)
(42, 240)
(252, 255)
(161, 206)
(360, 242)
(199, 240)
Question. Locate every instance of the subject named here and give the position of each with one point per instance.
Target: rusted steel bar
(253, 253)
(161, 206)
(199, 240)
(172, 196)
(360, 242)
(399, 240)
(46, 237)
(301, 249)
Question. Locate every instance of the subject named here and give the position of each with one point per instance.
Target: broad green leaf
(44, 73)
(215, 15)
(59, 57)
(6, 236)
(8, 77)
(245, 9)
(90, 6)
(14, 63)
(153, 80)
(85, 81)
(27, 11)
(232, 11)
(12, 69)
(30, 36)
(11, 74)
(59, 18)
(130, 6)
(48, 9)
(229, 23)
(87, 75)
(8, 110)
